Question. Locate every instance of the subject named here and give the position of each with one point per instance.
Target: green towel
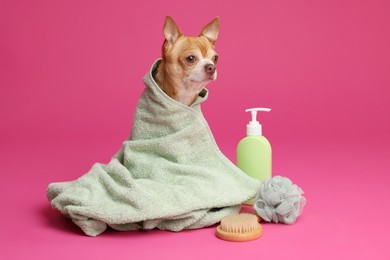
(169, 174)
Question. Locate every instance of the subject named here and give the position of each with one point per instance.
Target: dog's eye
(215, 58)
(191, 59)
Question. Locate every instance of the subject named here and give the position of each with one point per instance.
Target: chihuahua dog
(188, 63)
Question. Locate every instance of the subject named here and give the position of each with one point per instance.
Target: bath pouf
(279, 200)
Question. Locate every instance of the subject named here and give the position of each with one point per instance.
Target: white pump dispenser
(254, 128)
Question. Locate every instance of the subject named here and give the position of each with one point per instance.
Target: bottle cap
(254, 128)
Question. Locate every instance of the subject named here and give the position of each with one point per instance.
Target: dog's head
(188, 63)
(194, 58)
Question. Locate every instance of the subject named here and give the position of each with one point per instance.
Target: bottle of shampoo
(254, 153)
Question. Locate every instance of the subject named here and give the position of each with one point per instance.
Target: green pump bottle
(254, 153)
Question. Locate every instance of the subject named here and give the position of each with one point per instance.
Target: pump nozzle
(254, 127)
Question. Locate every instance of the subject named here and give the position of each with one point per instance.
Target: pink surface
(70, 77)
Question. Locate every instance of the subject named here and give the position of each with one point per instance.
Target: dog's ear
(210, 31)
(171, 31)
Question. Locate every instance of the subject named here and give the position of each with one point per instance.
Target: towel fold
(169, 174)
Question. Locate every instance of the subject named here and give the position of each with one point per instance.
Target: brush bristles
(239, 227)
(239, 223)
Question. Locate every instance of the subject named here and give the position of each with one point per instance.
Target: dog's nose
(210, 69)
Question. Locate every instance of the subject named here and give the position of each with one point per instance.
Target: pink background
(71, 73)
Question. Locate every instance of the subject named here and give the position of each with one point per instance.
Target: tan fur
(178, 78)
